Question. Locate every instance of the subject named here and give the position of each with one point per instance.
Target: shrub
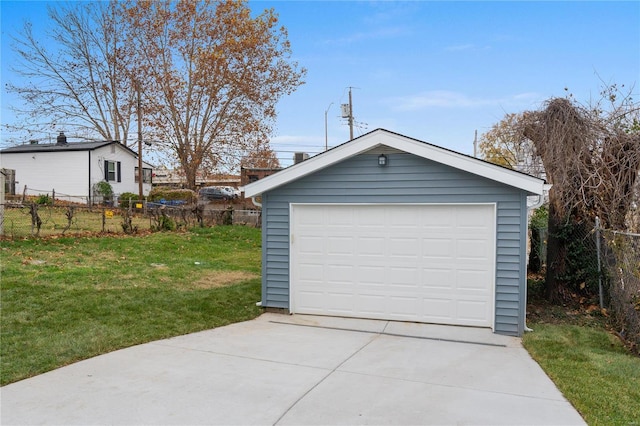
(44, 200)
(538, 223)
(165, 223)
(539, 218)
(103, 188)
(123, 199)
(158, 194)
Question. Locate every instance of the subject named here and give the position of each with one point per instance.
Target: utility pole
(140, 174)
(475, 144)
(350, 116)
(347, 112)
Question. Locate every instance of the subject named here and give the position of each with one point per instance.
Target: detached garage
(389, 227)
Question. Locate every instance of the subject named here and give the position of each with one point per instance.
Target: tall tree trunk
(190, 176)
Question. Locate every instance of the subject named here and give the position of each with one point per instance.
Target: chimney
(299, 157)
(62, 139)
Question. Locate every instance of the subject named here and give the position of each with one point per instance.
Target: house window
(112, 171)
(146, 175)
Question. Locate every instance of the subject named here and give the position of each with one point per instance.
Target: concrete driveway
(286, 370)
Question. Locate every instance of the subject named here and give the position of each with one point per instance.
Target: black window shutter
(118, 173)
(106, 170)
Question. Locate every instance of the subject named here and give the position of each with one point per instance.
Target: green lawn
(591, 368)
(70, 298)
(64, 299)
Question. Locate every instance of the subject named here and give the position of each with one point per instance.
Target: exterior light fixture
(382, 160)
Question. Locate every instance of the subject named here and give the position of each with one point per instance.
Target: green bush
(103, 188)
(539, 218)
(580, 260)
(124, 198)
(44, 200)
(165, 223)
(186, 195)
(539, 221)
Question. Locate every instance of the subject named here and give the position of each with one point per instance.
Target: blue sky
(435, 71)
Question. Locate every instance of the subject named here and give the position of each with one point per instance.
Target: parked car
(212, 193)
(231, 191)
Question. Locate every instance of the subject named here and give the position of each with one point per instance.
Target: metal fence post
(2, 181)
(600, 291)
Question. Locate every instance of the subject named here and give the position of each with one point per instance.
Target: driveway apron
(285, 370)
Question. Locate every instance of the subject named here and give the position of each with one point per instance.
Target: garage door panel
(371, 246)
(438, 310)
(404, 276)
(438, 248)
(371, 275)
(372, 305)
(472, 311)
(425, 263)
(440, 278)
(472, 249)
(310, 245)
(404, 248)
(311, 273)
(470, 280)
(311, 301)
(403, 307)
(341, 245)
(339, 274)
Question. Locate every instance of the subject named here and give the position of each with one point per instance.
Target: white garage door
(424, 263)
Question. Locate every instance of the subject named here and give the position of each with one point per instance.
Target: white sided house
(72, 169)
(389, 227)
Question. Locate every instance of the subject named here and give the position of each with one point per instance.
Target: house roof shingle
(382, 137)
(71, 146)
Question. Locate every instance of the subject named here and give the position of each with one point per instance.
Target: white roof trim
(531, 184)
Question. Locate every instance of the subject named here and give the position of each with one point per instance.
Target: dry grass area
(216, 279)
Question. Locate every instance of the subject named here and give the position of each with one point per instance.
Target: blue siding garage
(432, 236)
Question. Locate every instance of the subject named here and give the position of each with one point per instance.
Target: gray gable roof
(72, 146)
(381, 137)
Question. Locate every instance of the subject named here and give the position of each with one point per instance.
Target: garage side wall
(406, 179)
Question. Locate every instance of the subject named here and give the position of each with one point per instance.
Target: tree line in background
(591, 156)
(205, 77)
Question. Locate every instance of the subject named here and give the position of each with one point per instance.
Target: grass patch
(70, 298)
(592, 369)
(589, 365)
(17, 221)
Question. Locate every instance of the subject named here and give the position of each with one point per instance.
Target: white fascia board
(530, 184)
(311, 165)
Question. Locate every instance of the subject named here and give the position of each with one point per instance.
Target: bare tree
(211, 75)
(506, 145)
(81, 79)
(591, 155)
(262, 156)
(592, 158)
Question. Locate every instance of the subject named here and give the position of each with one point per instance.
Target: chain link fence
(620, 262)
(603, 262)
(30, 219)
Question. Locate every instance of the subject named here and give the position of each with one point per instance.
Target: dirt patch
(215, 279)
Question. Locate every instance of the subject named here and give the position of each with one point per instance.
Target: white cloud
(378, 34)
(460, 47)
(450, 99)
(296, 140)
(466, 48)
